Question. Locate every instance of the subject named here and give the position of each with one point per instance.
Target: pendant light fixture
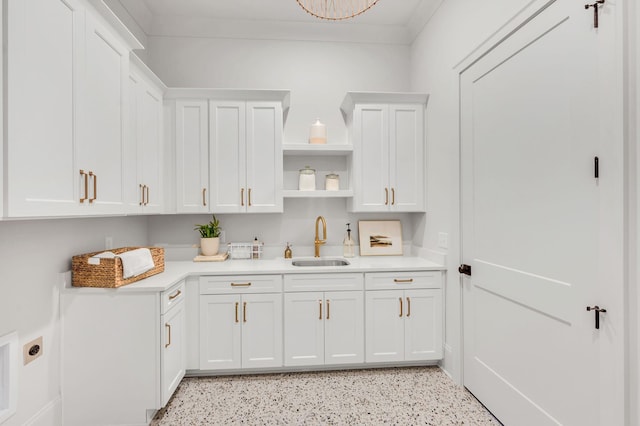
(336, 10)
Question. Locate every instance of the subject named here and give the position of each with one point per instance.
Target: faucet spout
(318, 241)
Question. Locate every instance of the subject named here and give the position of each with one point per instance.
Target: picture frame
(380, 237)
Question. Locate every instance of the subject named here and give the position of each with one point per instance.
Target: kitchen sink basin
(320, 262)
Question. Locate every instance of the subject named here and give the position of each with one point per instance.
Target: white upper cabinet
(42, 176)
(246, 156)
(387, 132)
(102, 114)
(143, 154)
(192, 156)
(67, 87)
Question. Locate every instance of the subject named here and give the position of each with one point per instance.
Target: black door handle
(597, 310)
(465, 269)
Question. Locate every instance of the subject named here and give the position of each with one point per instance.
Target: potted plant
(209, 237)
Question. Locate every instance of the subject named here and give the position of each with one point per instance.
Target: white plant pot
(209, 246)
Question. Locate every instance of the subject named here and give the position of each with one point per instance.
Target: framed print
(380, 237)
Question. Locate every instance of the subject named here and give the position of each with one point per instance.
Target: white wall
(456, 30)
(33, 253)
(318, 73)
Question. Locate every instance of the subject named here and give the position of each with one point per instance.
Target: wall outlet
(443, 240)
(32, 350)
(223, 237)
(108, 243)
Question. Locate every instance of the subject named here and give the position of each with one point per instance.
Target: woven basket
(108, 273)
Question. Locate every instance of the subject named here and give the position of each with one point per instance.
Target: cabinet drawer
(172, 297)
(240, 284)
(323, 282)
(403, 280)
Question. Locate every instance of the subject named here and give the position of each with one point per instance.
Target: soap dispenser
(347, 244)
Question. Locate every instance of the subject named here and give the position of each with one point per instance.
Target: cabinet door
(220, 332)
(192, 157)
(344, 327)
(173, 351)
(264, 157)
(228, 156)
(423, 325)
(102, 115)
(371, 158)
(384, 326)
(132, 187)
(261, 330)
(42, 177)
(406, 157)
(304, 328)
(150, 147)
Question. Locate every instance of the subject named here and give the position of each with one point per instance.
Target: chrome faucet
(319, 242)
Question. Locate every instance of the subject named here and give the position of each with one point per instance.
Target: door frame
(616, 209)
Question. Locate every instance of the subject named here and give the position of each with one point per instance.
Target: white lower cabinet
(240, 327)
(403, 324)
(173, 345)
(323, 327)
(123, 349)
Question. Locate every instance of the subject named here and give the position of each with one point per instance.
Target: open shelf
(311, 149)
(294, 193)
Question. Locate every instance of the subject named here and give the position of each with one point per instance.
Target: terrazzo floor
(393, 396)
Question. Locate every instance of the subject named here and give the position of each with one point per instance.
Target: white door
(220, 332)
(42, 91)
(303, 328)
(261, 330)
(102, 116)
(173, 350)
(406, 157)
(264, 157)
(150, 148)
(344, 327)
(532, 225)
(227, 156)
(385, 326)
(422, 325)
(192, 156)
(371, 158)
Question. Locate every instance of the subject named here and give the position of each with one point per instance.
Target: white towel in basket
(136, 262)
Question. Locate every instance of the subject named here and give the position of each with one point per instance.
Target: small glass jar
(332, 182)
(307, 179)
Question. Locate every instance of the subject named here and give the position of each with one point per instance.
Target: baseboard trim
(49, 415)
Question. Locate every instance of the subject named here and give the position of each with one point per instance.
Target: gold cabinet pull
(249, 197)
(242, 197)
(244, 312)
(86, 186)
(400, 298)
(328, 309)
(241, 284)
(320, 310)
(393, 196)
(146, 187)
(408, 307)
(176, 294)
(168, 327)
(386, 196)
(237, 311)
(141, 194)
(204, 197)
(408, 280)
(95, 186)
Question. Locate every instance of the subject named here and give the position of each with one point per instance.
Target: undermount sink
(320, 262)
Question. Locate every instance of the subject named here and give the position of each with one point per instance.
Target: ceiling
(389, 21)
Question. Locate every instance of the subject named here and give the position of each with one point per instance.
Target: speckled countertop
(176, 271)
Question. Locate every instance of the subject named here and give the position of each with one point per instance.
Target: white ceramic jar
(332, 182)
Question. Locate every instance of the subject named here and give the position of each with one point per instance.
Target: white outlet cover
(443, 240)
